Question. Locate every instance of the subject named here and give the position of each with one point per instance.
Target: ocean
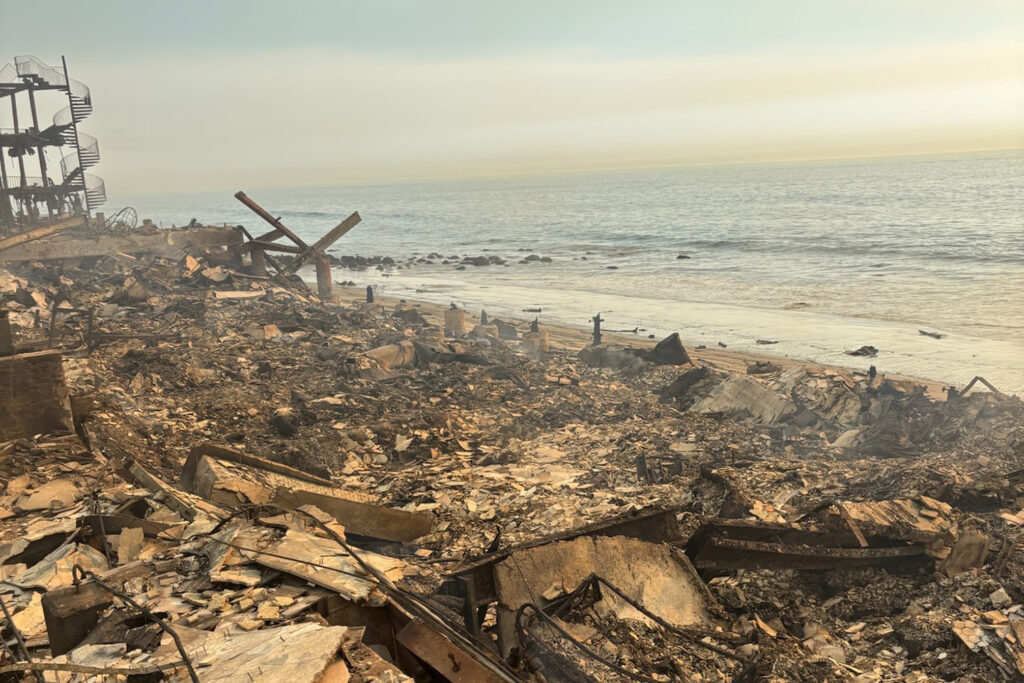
(822, 257)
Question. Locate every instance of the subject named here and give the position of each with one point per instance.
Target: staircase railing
(87, 151)
(14, 182)
(8, 74)
(95, 189)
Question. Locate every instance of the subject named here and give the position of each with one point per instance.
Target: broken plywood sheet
(366, 664)
(232, 478)
(36, 539)
(228, 477)
(364, 519)
(652, 574)
(318, 560)
(745, 397)
(54, 570)
(297, 653)
(903, 519)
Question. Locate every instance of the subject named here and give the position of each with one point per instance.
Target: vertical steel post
(14, 115)
(20, 203)
(6, 212)
(39, 148)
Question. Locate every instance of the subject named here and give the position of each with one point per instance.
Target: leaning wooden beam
(39, 233)
(338, 232)
(259, 211)
(327, 240)
(272, 246)
(228, 477)
(272, 235)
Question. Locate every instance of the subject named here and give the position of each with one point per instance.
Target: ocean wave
(903, 252)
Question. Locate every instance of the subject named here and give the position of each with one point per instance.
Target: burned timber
(213, 470)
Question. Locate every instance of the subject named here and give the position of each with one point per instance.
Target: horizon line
(597, 169)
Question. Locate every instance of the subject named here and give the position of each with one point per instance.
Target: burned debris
(212, 473)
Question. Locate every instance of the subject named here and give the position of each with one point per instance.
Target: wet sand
(575, 337)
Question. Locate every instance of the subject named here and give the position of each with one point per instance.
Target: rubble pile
(211, 474)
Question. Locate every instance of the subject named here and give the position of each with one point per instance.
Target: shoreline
(569, 337)
(805, 334)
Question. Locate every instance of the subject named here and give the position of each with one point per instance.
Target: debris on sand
(212, 473)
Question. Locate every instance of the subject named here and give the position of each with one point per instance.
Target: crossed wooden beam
(304, 253)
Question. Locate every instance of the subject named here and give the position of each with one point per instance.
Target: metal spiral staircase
(86, 152)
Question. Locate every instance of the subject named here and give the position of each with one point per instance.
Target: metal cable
(78, 574)
(595, 579)
(410, 601)
(664, 624)
(521, 631)
(17, 637)
(414, 604)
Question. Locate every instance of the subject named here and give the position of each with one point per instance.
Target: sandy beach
(573, 338)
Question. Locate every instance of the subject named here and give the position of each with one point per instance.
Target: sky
(221, 95)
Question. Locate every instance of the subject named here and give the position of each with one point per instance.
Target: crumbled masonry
(211, 473)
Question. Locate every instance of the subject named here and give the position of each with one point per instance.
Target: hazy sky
(222, 95)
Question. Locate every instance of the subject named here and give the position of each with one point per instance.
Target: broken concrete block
(669, 351)
(1000, 598)
(969, 551)
(485, 332)
(393, 356)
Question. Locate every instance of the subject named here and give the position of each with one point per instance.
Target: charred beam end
(259, 211)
